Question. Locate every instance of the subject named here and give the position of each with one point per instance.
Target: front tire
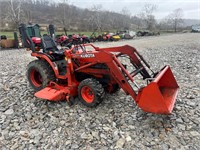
(90, 92)
(39, 74)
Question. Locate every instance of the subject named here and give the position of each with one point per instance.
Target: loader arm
(118, 72)
(120, 78)
(136, 59)
(159, 95)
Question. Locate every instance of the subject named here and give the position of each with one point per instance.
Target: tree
(27, 13)
(15, 12)
(64, 13)
(125, 18)
(148, 16)
(166, 24)
(3, 15)
(137, 20)
(172, 21)
(96, 17)
(176, 18)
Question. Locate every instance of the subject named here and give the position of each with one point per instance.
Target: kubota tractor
(89, 72)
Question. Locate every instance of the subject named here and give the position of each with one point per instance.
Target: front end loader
(90, 72)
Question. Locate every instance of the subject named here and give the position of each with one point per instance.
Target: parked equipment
(33, 30)
(3, 37)
(51, 30)
(107, 36)
(64, 39)
(9, 43)
(89, 72)
(104, 36)
(147, 33)
(196, 28)
(126, 34)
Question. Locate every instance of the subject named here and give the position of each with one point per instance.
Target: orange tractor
(90, 72)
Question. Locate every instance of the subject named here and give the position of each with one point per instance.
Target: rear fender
(48, 60)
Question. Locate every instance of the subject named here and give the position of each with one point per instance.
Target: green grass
(10, 35)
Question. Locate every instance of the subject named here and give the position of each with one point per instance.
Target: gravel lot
(30, 123)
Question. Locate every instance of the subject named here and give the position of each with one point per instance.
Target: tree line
(62, 14)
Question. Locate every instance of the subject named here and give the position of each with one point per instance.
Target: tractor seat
(50, 47)
(60, 52)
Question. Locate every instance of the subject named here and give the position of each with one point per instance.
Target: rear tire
(39, 74)
(90, 92)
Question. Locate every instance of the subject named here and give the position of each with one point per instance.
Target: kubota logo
(87, 55)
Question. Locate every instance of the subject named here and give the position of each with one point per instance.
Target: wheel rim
(36, 78)
(87, 94)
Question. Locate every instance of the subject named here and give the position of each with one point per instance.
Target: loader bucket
(160, 94)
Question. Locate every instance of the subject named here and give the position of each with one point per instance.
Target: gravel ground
(117, 123)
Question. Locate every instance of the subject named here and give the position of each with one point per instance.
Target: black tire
(39, 74)
(96, 90)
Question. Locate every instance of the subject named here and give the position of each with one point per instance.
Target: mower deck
(50, 94)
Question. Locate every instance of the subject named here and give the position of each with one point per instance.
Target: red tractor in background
(66, 40)
(90, 72)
